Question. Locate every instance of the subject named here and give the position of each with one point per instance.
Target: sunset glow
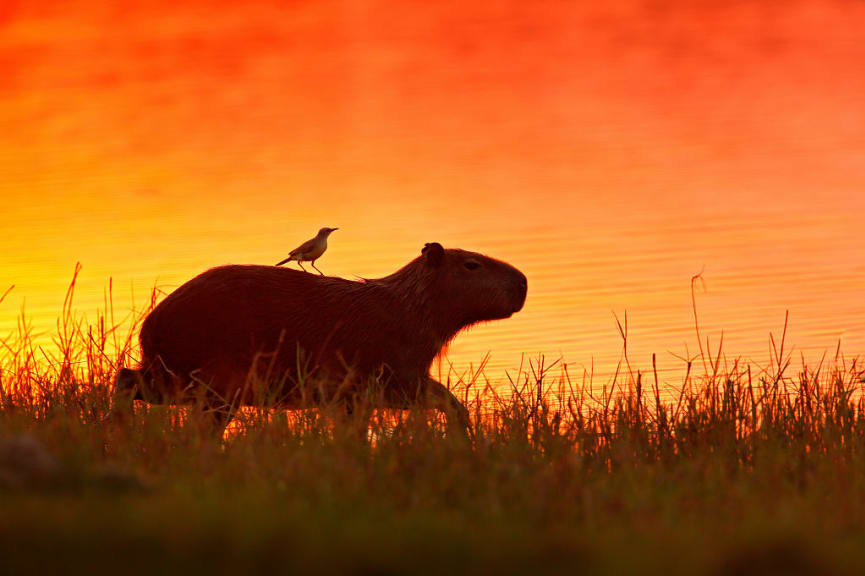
(592, 298)
(609, 151)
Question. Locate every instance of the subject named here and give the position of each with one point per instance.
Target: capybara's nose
(522, 290)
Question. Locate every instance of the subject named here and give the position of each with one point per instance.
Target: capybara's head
(471, 287)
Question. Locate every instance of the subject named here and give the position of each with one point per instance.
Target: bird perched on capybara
(283, 327)
(310, 251)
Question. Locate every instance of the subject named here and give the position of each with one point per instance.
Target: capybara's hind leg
(127, 387)
(212, 416)
(221, 389)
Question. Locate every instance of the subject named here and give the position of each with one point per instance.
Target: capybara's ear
(433, 252)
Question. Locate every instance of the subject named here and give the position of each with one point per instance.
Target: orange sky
(610, 150)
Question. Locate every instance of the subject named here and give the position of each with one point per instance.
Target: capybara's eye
(472, 264)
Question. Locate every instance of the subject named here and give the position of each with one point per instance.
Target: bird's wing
(303, 248)
(298, 252)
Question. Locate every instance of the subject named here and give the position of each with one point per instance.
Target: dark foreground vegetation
(740, 470)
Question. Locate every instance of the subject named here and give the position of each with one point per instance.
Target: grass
(738, 470)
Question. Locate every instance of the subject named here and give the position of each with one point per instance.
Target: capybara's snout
(510, 290)
(518, 290)
(509, 287)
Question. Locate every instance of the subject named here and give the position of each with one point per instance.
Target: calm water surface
(610, 153)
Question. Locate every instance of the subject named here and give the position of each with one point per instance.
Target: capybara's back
(236, 323)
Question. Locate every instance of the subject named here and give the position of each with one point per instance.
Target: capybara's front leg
(439, 397)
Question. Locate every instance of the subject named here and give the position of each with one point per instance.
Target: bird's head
(326, 231)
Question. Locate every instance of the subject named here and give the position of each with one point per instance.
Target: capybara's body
(235, 325)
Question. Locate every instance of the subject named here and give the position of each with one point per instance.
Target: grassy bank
(734, 470)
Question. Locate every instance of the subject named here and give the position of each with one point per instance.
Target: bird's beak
(334, 229)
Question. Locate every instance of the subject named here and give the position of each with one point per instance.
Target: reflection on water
(611, 153)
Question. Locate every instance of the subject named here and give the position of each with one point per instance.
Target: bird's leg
(316, 269)
(299, 263)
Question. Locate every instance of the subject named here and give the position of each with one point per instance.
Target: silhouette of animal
(310, 251)
(286, 327)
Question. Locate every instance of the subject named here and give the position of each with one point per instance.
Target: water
(611, 153)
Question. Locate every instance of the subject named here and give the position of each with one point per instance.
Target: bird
(310, 251)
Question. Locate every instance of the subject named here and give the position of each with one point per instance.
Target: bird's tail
(281, 262)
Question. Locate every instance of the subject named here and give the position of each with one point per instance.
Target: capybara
(233, 324)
